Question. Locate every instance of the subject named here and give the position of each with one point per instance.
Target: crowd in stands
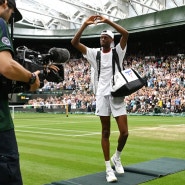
(163, 93)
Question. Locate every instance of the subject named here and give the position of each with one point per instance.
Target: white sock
(108, 165)
(117, 154)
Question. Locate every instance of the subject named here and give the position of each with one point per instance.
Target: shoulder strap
(98, 59)
(115, 60)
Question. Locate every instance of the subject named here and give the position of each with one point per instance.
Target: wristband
(32, 79)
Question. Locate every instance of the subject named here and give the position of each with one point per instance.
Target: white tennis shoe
(110, 176)
(117, 163)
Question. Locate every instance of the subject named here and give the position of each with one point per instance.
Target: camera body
(33, 61)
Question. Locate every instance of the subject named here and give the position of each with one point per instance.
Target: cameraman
(10, 70)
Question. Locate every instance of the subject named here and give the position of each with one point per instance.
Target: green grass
(54, 147)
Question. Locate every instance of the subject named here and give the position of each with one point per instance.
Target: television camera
(33, 61)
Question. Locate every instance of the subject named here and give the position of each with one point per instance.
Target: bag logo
(130, 73)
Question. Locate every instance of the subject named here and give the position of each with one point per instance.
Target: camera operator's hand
(54, 67)
(36, 82)
(55, 73)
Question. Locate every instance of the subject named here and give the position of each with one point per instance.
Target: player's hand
(94, 19)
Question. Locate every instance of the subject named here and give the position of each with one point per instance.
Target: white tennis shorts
(107, 105)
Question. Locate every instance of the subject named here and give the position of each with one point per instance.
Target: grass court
(54, 147)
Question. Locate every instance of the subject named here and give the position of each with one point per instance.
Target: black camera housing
(33, 61)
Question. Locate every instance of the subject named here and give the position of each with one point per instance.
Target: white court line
(53, 122)
(55, 134)
(154, 128)
(93, 133)
(54, 129)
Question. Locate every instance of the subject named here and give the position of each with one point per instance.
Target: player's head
(108, 32)
(107, 38)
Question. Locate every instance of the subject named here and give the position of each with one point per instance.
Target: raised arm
(76, 39)
(96, 19)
